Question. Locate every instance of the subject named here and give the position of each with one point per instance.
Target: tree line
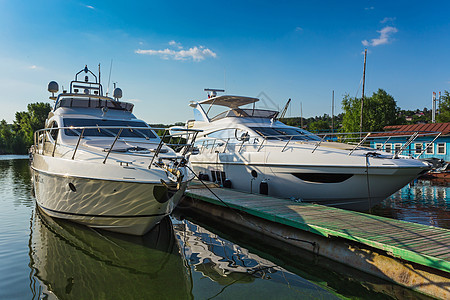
(16, 138)
(380, 110)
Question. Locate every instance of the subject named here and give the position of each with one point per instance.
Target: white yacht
(250, 150)
(95, 163)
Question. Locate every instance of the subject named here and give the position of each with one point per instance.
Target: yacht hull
(125, 207)
(359, 192)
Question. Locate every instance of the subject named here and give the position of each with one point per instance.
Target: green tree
(444, 108)
(319, 125)
(18, 137)
(379, 110)
(5, 138)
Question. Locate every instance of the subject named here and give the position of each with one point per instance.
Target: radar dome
(53, 87)
(117, 93)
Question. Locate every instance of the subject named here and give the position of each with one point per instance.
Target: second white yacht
(250, 150)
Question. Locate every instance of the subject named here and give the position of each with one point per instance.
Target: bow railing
(181, 140)
(407, 143)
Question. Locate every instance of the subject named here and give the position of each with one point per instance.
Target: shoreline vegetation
(17, 138)
(380, 110)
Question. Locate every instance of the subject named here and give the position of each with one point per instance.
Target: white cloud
(89, 6)
(33, 67)
(384, 38)
(369, 8)
(175, 44)
(298, 28)
(387, 19)
(196, 53)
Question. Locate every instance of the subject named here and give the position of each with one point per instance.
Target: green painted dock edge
(397, 252)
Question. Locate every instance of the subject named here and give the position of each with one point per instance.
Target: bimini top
(233, 103)
(229, 101)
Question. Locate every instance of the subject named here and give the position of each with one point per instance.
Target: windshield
(145, 132)
(285, 133)
(246, 113)
(91, 102)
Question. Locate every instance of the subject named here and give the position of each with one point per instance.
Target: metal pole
(301, 115)
(109, 151)
(54, 147)
(433, 108)
(332, 113)
(362, 99)
(78, 143)
(158, 149)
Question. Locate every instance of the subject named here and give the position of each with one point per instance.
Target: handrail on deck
(360, 143)
(40, 138)
(411, 139)
(429, 144)
(320, 142)
(370, 136)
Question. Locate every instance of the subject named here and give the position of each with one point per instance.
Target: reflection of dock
(412, 255)
(230, 266)
(220, 259)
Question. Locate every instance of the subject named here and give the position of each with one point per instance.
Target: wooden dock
(413, 255)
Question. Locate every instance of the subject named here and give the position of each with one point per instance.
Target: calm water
(44, 258)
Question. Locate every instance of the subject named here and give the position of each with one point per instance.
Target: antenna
(109, 79)
(224, 78)
(362, 99)
(332, 113)
(301, 115)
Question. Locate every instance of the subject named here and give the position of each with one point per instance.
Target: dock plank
(418, 243)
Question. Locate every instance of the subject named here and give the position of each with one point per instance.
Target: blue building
(426, 145)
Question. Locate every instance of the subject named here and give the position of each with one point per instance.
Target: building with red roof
(422, 140)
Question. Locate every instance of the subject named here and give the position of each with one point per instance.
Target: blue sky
(165, 53)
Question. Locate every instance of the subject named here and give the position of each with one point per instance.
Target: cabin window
(378, 146)
(94, 103)
(397, 148)
(440, 148)
(54, 132)
(145, 132)
(430, 148)
(222, 134)
(388, 148)
(285, 133)
(418, 148)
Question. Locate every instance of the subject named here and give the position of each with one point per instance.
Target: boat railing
(355, 141)
(177, 139)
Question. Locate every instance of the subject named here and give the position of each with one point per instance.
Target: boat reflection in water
(235, 272)
(71, 261)
(425, 201)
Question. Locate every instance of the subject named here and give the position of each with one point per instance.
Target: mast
(362, 99)
(332, 113)
(301, 115)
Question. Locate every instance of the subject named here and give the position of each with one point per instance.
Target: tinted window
(282, 133)
(109, 132)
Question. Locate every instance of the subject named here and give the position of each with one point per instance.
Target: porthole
(72, 187)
